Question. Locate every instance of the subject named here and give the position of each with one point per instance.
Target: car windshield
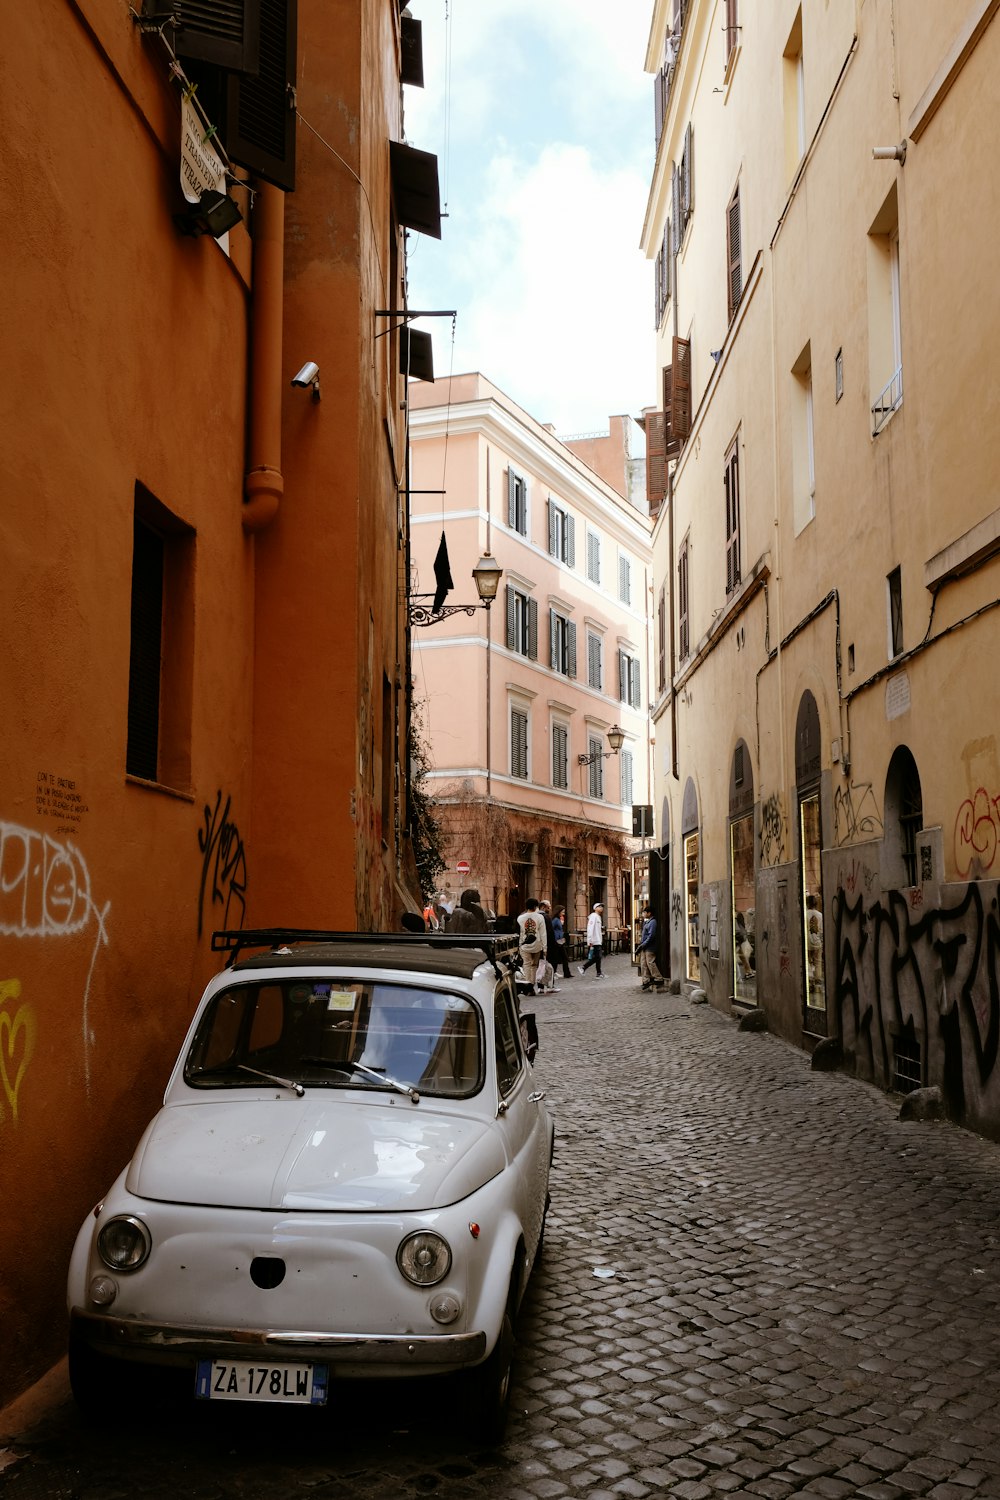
(354, 1034)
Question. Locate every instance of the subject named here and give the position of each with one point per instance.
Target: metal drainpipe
(264, 484)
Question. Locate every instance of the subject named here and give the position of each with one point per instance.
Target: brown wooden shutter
(223, 32)
(656, 459)
(734, 254)
(260, 111)
(680, 394)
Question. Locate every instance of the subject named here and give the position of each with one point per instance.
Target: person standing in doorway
(646, 952)
(595, 939)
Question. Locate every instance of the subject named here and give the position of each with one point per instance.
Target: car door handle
(534, 1098)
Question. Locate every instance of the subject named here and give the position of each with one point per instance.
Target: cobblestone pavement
(757, 1282)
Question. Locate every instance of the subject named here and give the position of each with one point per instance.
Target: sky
(541, 118)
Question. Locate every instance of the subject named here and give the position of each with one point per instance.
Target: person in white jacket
(595, 939)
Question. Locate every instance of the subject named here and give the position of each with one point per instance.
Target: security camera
(308, 375)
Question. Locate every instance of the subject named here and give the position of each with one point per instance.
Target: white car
(348, 1177)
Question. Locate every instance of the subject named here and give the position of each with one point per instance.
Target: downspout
(264, 484)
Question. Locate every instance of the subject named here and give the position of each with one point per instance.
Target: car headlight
(424, 1258)
(123, 1244)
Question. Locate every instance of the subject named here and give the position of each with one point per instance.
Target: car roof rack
(497, 946)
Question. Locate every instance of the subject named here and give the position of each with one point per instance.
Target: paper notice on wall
(201, 166)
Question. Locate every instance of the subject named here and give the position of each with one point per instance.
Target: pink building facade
(516, 703)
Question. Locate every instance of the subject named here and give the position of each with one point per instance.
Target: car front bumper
(174, 1344)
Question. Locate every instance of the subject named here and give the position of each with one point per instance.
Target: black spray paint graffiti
(676, 908)
(855, 814)
(935, 977)
(772, 832)
(224, 855)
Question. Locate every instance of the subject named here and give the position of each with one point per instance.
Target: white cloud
(550, 154)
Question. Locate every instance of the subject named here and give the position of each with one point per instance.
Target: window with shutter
(517, 502)
(683, 632)
(522, 623)
(680, 390)
(734, 289)
(595, 748)
(146, 649)
(627, 778)
(519, 743)
(593, 557)
(594, 654)
(223, 32)
(624, 579)
(687, 174)
(562, 644)
(260, 110)
(732, 488)
(560, 755)
(656, 460)
(732, 27)
(661, 641)
(622, 677)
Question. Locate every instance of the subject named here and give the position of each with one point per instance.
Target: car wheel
(491, 1388)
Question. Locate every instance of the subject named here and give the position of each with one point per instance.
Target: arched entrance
(808, 767)
(742, 875)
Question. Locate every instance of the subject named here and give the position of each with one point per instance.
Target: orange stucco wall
(126, 356)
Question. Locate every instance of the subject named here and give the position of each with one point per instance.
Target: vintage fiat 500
(348, 1177)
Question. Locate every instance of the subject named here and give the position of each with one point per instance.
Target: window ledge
(158, 786)
(965, 554)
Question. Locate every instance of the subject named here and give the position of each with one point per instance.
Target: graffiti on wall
(17, 1044)
(977, 834)
(223, 865)
(933, 973)
(855, 813)
(45, 892)
(772, 831)
(676, 908)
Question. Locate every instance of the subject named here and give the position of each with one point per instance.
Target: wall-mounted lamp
(890, 153)
(308, 376)
(616, 738)
(487, 574)
(215, 213)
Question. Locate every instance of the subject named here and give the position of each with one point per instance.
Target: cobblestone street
(756, 1282)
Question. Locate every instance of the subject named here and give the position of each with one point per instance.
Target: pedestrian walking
(558, 954)
(595, 940)
(650, 975)
(531, 941)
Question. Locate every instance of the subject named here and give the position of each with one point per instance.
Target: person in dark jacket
(468, 915)
(548, 982)
(645, 952)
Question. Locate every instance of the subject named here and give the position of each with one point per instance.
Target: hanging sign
(201, 166)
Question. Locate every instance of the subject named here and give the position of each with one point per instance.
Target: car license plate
(250, 1380)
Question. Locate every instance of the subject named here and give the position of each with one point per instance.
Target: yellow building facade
(821, 467)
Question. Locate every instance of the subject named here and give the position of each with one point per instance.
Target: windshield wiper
(285, 1083)
(393, 1083)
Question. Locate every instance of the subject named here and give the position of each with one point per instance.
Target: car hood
(313, 1155)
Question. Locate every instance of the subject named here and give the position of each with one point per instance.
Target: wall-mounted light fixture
(616, 738)
(215, 213)
(890, 153)
(308, 376)
(486, 573)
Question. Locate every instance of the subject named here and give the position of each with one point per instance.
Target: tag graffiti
(223, 865)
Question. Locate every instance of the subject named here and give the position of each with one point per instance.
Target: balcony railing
(887, 402)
